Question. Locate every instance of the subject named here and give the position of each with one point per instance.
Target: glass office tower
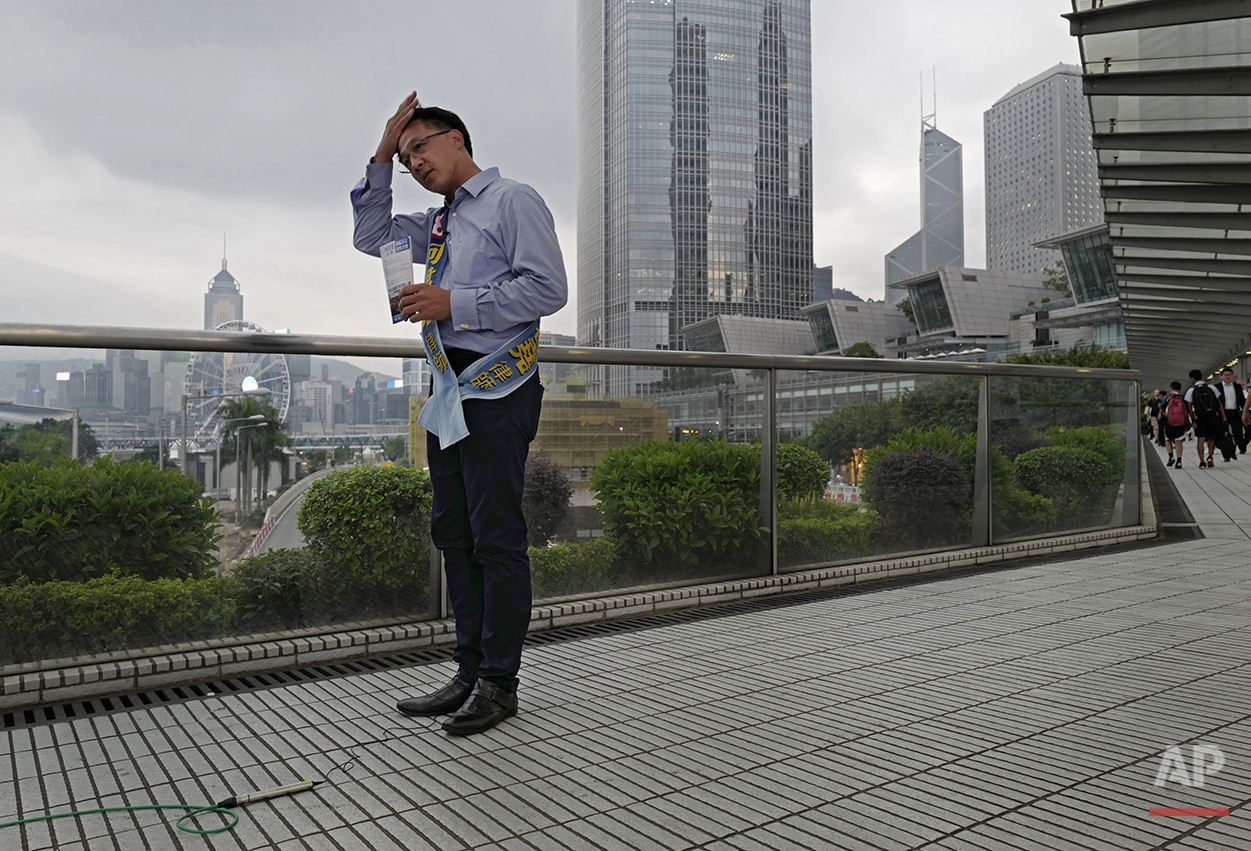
(940, 241)
(694, 172)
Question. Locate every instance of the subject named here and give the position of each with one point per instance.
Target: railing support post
(1131, 502)
(438, 592)
(768, 469)
(982, 496)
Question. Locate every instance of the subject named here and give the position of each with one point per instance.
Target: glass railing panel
(1058, 455)
(663, 485)
(873, 464)
(302, 507)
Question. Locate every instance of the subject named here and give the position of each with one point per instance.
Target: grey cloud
(283, 100)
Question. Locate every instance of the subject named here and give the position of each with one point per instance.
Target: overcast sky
(133, 134)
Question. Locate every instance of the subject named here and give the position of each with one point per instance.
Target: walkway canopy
(1169, 84)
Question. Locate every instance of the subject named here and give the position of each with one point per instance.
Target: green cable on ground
(195, 811)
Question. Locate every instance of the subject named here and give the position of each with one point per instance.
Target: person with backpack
(1207, 413)
(1176, 418)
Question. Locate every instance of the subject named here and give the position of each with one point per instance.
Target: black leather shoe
(487, 706)
(447, 699)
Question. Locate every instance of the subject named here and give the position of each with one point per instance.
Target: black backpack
(1205, 402)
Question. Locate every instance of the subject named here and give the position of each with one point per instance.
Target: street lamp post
(259, 391)
(239, 465)
(217, 474)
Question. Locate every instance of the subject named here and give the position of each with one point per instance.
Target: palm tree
(263, 443)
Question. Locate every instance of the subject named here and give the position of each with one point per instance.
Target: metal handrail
(165, 339)
(162, 339)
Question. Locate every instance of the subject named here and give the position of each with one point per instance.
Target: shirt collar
(474, 185)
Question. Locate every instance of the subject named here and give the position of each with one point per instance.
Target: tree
(152, 454)
(263, 443)
(42, 447)
(46, 439)
(395, 448)
(545, 501)
(1057, 278)
(860, 350)
(905, 307)
(946, 402)
(837, 437)
(8, 444)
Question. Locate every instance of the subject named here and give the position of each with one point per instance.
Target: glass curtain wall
(695, 180)
(880, 473)
(624, 492)
(114, 549)
(1059, 454)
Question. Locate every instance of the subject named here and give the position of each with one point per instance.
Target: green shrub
(801, 472)
(923, 497)
(816, 530)
(545, 501)
(271, 590)
(564, 569)
(1091, 357)
(50, 620)
(1080, 482)
(370, 523)
(68, 522)
(1028, 513)
(694, 503)
(947, 402)
(1101, 439)
(1012, 506)
(1013, 440)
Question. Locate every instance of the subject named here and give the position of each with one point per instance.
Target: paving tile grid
(1019, 708)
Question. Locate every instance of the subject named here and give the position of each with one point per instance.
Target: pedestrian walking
(1176, 421)
(1207, 414)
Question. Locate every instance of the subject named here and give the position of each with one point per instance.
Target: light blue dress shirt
(504, 266)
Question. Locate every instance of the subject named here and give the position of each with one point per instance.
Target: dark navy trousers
(479, 527)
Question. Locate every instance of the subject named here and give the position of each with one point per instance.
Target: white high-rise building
(1041, 171)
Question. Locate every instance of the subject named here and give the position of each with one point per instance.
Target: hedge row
(65, 521)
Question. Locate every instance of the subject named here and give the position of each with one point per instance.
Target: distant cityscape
(695, 232)
(695, 206)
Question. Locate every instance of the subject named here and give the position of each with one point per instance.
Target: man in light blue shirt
(503, 270)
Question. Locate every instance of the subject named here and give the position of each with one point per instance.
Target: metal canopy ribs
(1169, 88)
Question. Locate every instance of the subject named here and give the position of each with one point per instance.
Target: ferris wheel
(217, 377)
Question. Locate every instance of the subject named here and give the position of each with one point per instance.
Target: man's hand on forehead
(390, 144)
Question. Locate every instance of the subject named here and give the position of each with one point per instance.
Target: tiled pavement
(1023, 708)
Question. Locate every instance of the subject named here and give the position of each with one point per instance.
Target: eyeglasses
(418, 147)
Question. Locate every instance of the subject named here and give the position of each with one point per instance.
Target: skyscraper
(223, 302)
(940, 241)
(1041, 178)
(694, 170)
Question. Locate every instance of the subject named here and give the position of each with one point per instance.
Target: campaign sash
(490, 377)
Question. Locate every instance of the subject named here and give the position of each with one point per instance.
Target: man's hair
(1176, 385)
(1196, 375)
(442, 119)
(1227, 369)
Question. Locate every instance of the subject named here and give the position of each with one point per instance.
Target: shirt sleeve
(374, 226)
(539, 286)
